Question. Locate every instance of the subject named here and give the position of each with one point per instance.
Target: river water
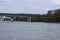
(29, 31)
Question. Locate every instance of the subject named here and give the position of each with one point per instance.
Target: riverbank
(51, 16)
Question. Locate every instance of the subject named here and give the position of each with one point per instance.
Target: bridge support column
(14, 17)
(29, 19)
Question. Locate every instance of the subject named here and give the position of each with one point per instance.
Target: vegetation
(20, 19)
(51, 16)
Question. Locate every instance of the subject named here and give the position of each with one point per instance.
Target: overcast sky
(28, 6)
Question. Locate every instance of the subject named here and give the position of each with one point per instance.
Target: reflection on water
(29, 31)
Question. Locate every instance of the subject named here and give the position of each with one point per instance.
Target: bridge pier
(29, 19)
(12, 18)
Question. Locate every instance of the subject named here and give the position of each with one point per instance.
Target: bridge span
(21, 15)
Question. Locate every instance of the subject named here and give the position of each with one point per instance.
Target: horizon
(28, 6)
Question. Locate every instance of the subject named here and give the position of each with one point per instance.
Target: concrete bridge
(21, 15)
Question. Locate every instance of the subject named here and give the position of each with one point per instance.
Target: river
(29, 31)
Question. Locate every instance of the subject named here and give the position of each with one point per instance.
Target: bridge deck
(10, 14)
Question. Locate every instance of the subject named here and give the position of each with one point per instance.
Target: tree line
(51, 16)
